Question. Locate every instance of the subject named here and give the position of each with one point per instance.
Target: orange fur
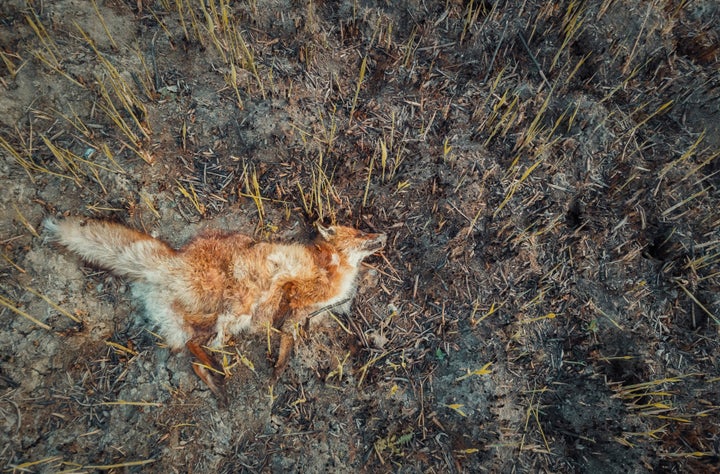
(221, 284)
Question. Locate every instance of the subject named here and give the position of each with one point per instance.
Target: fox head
(353, 244)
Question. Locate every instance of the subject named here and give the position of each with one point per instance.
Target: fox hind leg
(203, 368)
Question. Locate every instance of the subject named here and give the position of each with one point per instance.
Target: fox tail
(124, 251)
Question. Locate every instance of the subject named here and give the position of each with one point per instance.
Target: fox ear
(326, 232)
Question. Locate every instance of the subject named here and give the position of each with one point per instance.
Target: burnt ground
(547, 173)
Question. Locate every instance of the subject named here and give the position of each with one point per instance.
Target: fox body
(221, 284)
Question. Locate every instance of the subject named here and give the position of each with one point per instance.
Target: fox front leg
(282, 320)
(287, 343)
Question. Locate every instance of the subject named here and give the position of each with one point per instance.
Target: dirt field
(547, 174)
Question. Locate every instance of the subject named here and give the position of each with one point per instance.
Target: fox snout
(375, 242)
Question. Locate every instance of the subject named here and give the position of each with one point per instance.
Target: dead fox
(220, 284)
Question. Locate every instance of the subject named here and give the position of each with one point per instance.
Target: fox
(222, 284)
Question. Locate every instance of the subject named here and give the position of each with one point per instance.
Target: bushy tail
(122, 250)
